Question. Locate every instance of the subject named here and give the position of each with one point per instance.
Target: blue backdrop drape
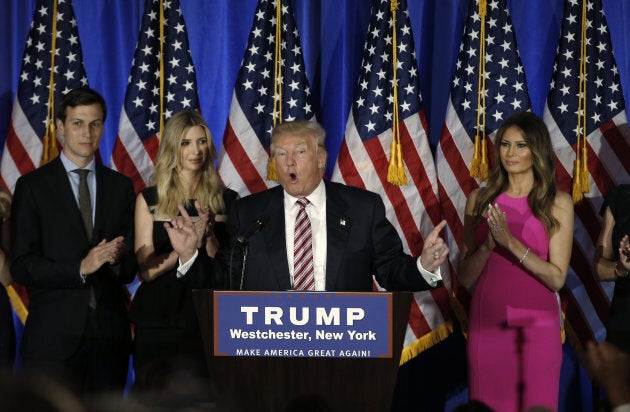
(332, 34)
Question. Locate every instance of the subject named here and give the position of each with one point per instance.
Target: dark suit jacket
(48, 242)
(361, 243)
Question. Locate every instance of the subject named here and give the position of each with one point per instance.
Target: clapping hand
(204, 229)
(183, 234)
(498, 226)
(104, 252)
(202, 224)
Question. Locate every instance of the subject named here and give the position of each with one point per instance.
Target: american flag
(505, 93)
(162, 82)
(53, 28)
(53, 23)
(365, 154)
(273, 57)
(607, 140)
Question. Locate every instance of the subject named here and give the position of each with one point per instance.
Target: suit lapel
(338, 225)
(275, 239)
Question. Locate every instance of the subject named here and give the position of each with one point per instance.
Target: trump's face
(299, 162)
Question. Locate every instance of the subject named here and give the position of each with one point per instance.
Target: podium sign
(248, 381)
(303, 324)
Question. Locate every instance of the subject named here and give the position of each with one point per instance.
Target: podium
(276, 384)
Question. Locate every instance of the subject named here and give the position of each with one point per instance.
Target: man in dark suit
(348, 237)
(76, 258)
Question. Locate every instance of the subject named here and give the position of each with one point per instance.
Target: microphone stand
(230, 277)
(245, 251)
(243, 241)
(244, 245)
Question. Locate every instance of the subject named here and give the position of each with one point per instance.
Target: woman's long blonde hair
(543, 194)
(170, 187)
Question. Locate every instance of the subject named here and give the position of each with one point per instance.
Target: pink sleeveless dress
(514, 344)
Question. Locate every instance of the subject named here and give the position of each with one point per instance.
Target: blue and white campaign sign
(303, 324)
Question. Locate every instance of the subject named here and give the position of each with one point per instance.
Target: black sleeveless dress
(166, 333)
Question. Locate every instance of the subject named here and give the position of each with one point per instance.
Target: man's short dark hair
(83, 96)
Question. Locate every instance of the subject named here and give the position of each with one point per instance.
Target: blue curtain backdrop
(333, 33)
(332, 38)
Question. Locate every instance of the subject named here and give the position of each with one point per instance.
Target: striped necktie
(303, 274)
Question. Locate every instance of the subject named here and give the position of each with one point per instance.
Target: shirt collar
(317, 197)
(70, 166)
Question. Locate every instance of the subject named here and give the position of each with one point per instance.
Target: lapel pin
(342, 222)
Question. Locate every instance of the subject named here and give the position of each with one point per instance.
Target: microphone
(242, 241)
(255, 227)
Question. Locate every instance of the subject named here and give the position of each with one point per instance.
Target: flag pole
(479, 165)
(161, 68)
(272, 172)
(50, 139)
(396, 170)
(580, 168)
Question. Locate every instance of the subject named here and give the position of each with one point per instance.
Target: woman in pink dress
(518, 232)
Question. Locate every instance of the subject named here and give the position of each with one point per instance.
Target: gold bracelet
(522, 259)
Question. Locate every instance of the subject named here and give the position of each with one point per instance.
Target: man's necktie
(303, 274)
(85, 206)
(85, 202)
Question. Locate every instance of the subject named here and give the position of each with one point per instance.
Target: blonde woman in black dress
(166, 331)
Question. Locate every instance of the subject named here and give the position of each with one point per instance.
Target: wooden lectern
(271, 384)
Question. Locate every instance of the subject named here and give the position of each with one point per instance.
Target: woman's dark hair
(543, 193)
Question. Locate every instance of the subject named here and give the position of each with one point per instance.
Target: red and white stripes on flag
(271, 58)
(605, 126)
(488, 39)
(162, 82)
(365, 154)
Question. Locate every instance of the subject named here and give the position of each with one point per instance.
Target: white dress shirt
(316, 211)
